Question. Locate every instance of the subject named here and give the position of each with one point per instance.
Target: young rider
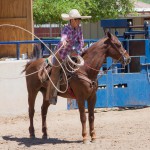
(71, 40)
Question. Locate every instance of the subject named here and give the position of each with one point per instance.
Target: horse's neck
(94, 59)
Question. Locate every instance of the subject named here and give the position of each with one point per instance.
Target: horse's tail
(26, 66)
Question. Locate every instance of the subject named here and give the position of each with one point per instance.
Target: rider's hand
(64, 43)
(79, 52)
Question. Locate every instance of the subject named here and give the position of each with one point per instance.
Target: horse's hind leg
(31, 102)
(91, 105)
(83, 119)
(44, 109)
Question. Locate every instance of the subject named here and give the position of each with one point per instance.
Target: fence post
(18, 50)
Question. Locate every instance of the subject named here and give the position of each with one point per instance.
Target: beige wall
(15, 12)
(13, 90)
(94, 31)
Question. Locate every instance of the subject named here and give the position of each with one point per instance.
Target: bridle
(125, 60)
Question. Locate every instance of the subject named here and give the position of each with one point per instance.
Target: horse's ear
(109, 35)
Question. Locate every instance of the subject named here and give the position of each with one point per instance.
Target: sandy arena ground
(116, 130)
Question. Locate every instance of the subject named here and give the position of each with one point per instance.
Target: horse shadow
(28, 142)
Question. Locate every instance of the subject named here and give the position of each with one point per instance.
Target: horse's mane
(86, 51)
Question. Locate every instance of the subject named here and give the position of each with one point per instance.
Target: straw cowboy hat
(73, 14)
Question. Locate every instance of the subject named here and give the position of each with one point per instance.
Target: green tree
(145, 1)
(45, 11)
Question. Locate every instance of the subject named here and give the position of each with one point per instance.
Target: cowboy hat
(73, 14)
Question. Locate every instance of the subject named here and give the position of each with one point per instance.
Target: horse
(83, 82)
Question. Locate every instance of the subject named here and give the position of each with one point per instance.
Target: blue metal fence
(129, 87)
(48, 42)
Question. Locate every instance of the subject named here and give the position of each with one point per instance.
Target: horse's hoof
(86, 142)
(93, 140)
(32, 136)
(44, 137)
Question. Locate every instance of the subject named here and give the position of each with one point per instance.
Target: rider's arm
(81, 42)
(64, 36)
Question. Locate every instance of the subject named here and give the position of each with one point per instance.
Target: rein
(103, 71)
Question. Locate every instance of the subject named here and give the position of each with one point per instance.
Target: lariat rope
(10, 25)
(54, 55)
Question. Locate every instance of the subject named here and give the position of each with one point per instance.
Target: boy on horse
(71, 40)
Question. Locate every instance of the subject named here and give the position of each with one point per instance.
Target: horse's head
(116, 50)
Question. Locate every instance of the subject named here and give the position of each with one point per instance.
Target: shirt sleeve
(81, 41)
(64, 34)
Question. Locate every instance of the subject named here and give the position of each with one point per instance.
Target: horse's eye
(118, 45)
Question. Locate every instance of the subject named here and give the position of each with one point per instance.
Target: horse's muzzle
(126, 60)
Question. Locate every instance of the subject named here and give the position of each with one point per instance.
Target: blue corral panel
(102, 92)
(134, 94)
(124, 89)
(115, 23)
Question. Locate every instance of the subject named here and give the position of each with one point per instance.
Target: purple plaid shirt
(74, 38)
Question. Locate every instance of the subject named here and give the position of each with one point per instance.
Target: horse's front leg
(91, 105)
(83, 119)
(44, 109)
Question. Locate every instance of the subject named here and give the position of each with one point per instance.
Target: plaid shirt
(74, 38)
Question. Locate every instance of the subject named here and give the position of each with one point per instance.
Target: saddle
(46, 69)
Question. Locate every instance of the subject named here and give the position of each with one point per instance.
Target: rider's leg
(55, 73)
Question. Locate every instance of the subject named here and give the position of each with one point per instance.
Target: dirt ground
(115, 130)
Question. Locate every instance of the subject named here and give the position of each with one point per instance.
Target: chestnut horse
(83, 82)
